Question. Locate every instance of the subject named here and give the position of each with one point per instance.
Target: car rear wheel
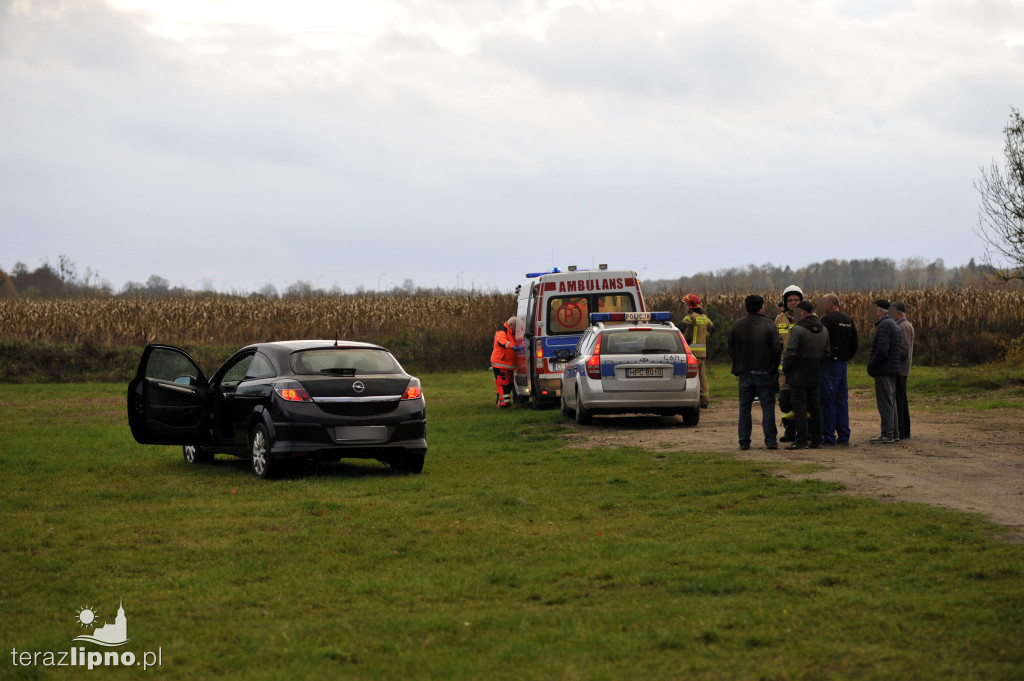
(259, 447)
(691, 416)
(196, 454)
(583, 417)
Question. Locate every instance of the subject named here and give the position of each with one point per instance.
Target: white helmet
(793, 289)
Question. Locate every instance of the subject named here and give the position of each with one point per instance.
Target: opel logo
(358, 386)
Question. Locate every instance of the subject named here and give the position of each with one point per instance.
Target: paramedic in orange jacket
(503, 361)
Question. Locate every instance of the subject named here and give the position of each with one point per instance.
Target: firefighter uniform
(503, 361)
(784, 322)
(696, 327)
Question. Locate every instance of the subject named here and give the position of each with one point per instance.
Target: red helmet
(692, 300)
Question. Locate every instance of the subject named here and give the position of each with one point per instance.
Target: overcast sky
(230, 144)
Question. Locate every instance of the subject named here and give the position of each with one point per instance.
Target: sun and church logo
(110, 635)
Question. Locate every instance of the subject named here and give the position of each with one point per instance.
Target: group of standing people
(798, 360)
(802, 360)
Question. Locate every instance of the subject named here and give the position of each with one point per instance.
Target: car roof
(296, 345)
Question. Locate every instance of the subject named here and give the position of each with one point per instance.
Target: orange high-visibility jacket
(504, 356)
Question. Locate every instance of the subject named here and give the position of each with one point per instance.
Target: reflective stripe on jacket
(784, 323)
(697, 327)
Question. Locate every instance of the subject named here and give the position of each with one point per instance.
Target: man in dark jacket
(835, 401)
(754, 347)
(884, 366)
(801, 363)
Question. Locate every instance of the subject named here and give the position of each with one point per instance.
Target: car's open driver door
(168, 400)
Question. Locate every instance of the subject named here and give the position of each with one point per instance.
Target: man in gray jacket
(898, 311)
(801, 363)
(884, 366)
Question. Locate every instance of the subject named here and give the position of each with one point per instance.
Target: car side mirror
(564, 354)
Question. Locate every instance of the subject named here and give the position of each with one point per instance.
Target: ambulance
(552, 312)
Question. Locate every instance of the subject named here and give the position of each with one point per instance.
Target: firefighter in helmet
(503, 361)
(785, 320)
(696, 327)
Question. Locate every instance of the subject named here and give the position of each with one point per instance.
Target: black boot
(789, 426)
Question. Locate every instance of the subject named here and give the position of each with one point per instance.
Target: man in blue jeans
(835, 403)
(755, 349)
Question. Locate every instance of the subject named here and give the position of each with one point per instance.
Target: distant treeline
(63, 280)
(835, 275)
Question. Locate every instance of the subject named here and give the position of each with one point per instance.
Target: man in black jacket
(835, 401)
(754, 347)
(801, 362)
(884, 366)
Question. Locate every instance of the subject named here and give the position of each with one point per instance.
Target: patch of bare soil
(966, 460)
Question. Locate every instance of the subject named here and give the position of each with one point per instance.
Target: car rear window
(344, 361)
(641, 342)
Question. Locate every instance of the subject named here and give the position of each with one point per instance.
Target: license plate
(644, 372)
(556, 367)
(361, 434)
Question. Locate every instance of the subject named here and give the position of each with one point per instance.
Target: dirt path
(965, 460)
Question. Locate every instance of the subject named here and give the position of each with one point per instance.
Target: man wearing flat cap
(884, 366)
(898, 311)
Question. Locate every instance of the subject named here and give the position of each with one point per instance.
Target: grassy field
(513, 556)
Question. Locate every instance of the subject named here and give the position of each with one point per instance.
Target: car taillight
(691, 361)
(594, 363)
(291, 391)
(413, 391)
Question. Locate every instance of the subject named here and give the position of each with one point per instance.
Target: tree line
(834, 275)
(63, 280)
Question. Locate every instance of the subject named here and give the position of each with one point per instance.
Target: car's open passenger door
(168, 400)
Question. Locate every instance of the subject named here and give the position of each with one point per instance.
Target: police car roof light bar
(630, 317)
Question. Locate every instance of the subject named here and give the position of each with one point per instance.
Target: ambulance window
(568, 314)
(618, 302)
(531, 310)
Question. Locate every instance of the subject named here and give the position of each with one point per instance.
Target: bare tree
(1001, 222)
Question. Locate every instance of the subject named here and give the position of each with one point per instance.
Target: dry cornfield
(430, 332)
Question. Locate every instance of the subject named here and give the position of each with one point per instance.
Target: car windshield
(344, 361)
(642, 342)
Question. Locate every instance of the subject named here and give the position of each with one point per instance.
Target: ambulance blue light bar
(532, 275)
(630, 317)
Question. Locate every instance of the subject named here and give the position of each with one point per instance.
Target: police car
(630, 362)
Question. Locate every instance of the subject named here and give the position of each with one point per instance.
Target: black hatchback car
(280, 402)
